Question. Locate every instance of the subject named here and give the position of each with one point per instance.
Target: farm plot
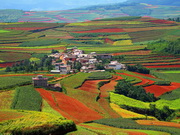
(27, 98)
(106, 88)
(33, 122)
(9, 114)
(130, 124)
(143, 81)
(69, 107)
(158, 123)
(6, 99)
(125, 113)
(159, 90)
(123, 100)
(164, 66)
(140, 52)
(101, 31)
(96, 129)
(13, 56)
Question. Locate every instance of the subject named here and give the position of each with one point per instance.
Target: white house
(114, 65)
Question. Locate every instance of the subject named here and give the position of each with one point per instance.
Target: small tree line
(137, 92)
(28, 66)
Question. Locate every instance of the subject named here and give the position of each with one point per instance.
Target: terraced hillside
(128, 36)
(92, 100)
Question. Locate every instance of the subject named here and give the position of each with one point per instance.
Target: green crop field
(4, 31)
(27, 98)
(75, 81)
(123, 100)
(8, 82)
(172, 95)
(168, 76)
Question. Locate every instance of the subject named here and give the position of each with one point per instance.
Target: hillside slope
(159, 9)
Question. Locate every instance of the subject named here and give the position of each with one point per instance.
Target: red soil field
(101, 30)
(109, 41)
(26, 28)
(158, 123)
(141, 52)
(52, 102)
(75, 108)
(159, 90)
(164, 66)
(7, 64)
(109, 86)
(69, 107)
(8, 115)
(161, 21)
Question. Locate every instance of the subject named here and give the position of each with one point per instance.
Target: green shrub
(166, 83)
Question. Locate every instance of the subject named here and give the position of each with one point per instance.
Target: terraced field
(82, 98)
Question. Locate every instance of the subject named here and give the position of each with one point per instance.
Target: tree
(54, 51)
(77, 65)
(99, 67)
(8, 69)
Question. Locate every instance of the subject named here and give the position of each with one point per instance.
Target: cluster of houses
(63, 62)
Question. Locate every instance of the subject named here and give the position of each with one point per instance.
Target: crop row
(27, 98)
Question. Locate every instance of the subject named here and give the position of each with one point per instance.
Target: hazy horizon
(46, 5)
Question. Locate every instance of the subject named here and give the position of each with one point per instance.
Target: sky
(40, 5)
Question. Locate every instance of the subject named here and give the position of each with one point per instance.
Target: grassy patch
(100, 75)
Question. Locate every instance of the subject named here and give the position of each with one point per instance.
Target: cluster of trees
(164, 114)
(28, 66)
(138, 68)
(168, 47)
(137, 92)
(177, 19)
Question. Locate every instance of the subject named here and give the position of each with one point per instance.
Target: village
(75, 60)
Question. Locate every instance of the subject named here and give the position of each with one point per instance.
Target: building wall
(40, 83)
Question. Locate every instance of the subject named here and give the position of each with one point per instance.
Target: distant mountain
(157, 2)
(155, 8)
